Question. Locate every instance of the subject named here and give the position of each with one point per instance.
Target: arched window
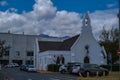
(86, 59)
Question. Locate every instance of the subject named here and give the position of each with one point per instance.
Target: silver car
(31, 68)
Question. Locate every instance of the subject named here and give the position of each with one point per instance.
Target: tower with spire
(86, 49)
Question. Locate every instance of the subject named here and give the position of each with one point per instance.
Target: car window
(31, 66)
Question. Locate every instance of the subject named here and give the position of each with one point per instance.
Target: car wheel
(105, 73)
(86, 74)
(63, 71)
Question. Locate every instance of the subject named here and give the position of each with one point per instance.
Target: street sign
(118, 52)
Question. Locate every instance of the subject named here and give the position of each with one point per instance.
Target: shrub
(53, 67)
(115, 67)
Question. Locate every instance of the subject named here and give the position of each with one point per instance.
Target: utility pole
(119, 30)
(119, 22)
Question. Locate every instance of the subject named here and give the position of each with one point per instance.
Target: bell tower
(86, 20)
(86, 49)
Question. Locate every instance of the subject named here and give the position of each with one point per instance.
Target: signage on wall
(118, 52)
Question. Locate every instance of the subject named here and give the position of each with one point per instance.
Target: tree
(109, 39)
(3, 48)
(105, 35)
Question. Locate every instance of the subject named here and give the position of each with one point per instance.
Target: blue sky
(80, 6)
(20, 5)
(85, 5)
(56, 18)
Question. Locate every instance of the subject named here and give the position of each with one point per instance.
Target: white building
(41, 51)
(86, 48)
(21, 48)
(80, 48)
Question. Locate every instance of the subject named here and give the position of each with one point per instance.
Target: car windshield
(94, 66)
(91, 66)
(31, 66)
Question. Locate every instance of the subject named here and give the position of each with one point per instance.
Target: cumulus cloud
(46, 19)
(12, 10)
(111, 5)
(3, 3)
(106, 18)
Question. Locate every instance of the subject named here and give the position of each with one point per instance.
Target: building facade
(81, 48)
(40, 51)
(86, 49)
(21, 48)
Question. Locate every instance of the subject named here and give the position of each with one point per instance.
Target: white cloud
(3, 3)
(111, 5)
(12, 10)
(45, 18)
(107, 18)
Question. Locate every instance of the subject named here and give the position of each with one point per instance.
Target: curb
(43, 71)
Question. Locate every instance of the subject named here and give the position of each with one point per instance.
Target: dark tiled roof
(54, 45)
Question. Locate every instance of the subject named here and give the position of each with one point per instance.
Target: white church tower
(86, 49)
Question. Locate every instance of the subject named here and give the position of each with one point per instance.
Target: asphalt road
(16, 74)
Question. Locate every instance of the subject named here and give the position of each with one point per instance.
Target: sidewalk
(3, 76)
(45, 71)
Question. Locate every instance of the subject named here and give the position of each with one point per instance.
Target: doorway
(86, 59)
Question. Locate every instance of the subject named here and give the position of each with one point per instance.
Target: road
(16, 74)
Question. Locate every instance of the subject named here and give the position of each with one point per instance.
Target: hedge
(115, 67)
(53, 67)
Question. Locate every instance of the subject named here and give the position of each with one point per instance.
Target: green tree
(109, 39)
(3, 48)
(105, 35)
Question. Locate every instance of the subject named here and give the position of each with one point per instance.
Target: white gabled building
(86, 48)
(81, 48)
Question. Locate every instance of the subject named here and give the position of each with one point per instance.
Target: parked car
(70, 66)
(23, 67)
(31, 68)
(62, 69)
(75, 69)
(15, 64)
(11, 65)
(92, 70)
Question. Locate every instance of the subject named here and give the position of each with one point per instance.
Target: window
(30, 62)
(6, 53)
(17, 53)
(30, 53)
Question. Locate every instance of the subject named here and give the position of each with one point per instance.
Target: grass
(115, 74)
(111, 76)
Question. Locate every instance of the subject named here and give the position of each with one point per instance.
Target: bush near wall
(53, 67)
(115, 67)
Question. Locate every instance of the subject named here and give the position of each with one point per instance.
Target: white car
(31, 68)
(76, 69)
(9, 65)
(62, 69)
